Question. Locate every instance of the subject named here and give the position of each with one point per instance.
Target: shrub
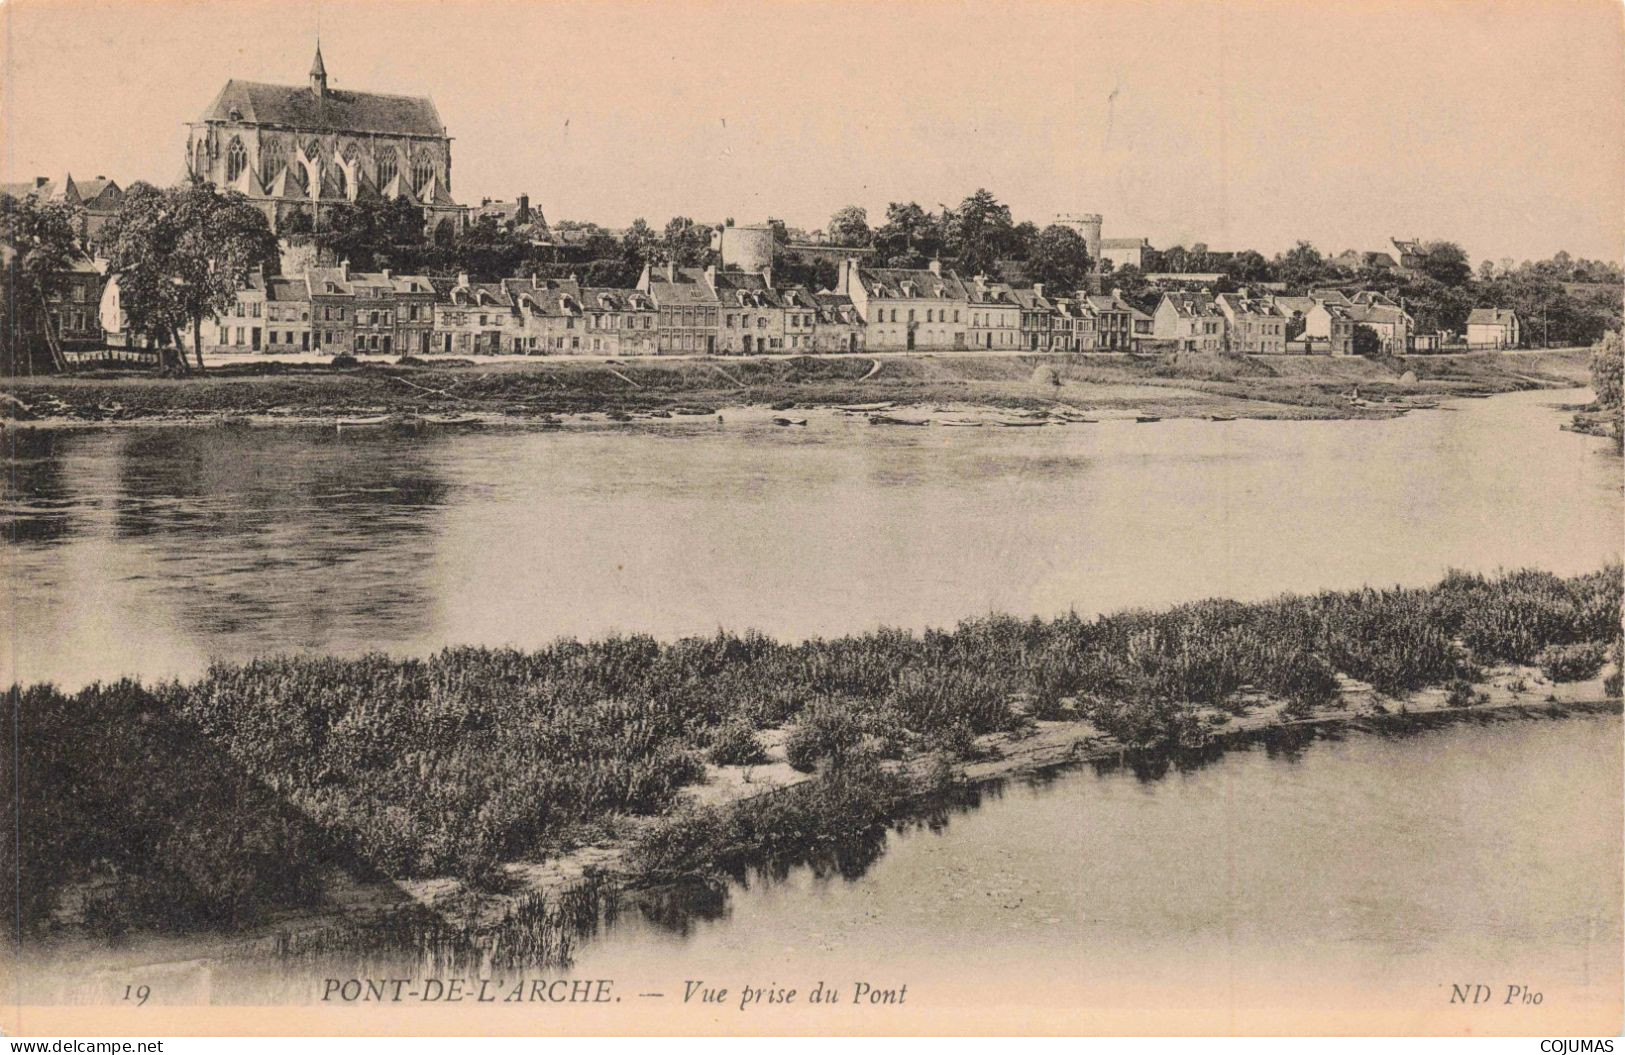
(344, 359)
(828, 729)
(735, 744)
(1573, 662)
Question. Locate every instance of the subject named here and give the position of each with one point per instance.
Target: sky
(1247, 124)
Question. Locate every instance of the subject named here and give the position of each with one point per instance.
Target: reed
(225, 795)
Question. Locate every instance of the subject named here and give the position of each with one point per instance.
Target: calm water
(151, 551)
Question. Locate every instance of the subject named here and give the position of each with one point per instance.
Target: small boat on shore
(1146, 419)
(865, 408)
(1021, 424)
(357, 423)
(789, 421)
(962, 424)
(1221, 417)
(883, 419)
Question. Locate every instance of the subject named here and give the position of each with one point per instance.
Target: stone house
(1493, 328)
(1191, 320)
(908, 309)
(1254, 326)
(994, 315)
(687, 309)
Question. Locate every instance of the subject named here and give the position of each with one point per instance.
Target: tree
(1366, 342)
(1302, 266)
(640, 246)
(685, 242)
(1131, 282)
(910, 237)
(1023, 236)
(39, 243)
(1249, 265)
(1608, 370)
(850, 227)
(978, 232)
(182, 254)
(1059, 259)
(374, 234)
(1446, 262)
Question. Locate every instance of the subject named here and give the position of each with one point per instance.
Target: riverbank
(554, 391)
(290, 795)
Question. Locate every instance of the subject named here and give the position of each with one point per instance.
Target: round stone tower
(747, 248)
(1086, 224)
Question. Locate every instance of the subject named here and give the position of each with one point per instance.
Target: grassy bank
(1174, 386)
(218, 802)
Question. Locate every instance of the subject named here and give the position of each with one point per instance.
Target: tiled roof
(903, 283)
(745, 289)
(286, 289)
(1248, 305)
(337, 111)
(1191, 305)
(1491, 317)
(1380, 313)
(553, 296)
(689, 289)
(318, 279)
(1030, 299)
(603, 298)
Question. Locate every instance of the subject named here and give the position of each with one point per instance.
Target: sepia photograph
(812, 518)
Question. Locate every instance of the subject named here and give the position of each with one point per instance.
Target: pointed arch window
(388, 166)
(236, 158)
(422, 173)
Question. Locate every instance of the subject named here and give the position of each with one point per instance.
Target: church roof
(336, 111)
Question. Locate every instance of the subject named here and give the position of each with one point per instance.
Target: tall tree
(39, 242)
(182, 254)
(685, 242)
(1302, 266)
(1446, 262)
(978, 232)
(850, 227)
(1059, 258)
(910, 237)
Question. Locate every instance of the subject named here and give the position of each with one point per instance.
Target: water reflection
(149, 551)
(152, 550)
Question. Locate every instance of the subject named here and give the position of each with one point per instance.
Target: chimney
(1038, 289)
(711, 276)
(846, 276)
(671, 271)
(40, 181)
(462, 278)
(767, 276)
(936, 266)
(344, 270)
(1117, 293)
(386, 274)
(523, 213)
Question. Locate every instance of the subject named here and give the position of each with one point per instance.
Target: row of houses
(672, 310)
(1320, 322)
(676, 310)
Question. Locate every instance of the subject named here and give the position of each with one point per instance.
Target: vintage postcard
(814, 517)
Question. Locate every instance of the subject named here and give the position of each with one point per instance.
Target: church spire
(318, 74)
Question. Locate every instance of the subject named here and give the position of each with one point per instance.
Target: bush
(344, 359)
(828, 729)
(1573, 662)
(735, 744)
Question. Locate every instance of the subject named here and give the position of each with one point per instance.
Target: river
(149, 551)
(1358, 877)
